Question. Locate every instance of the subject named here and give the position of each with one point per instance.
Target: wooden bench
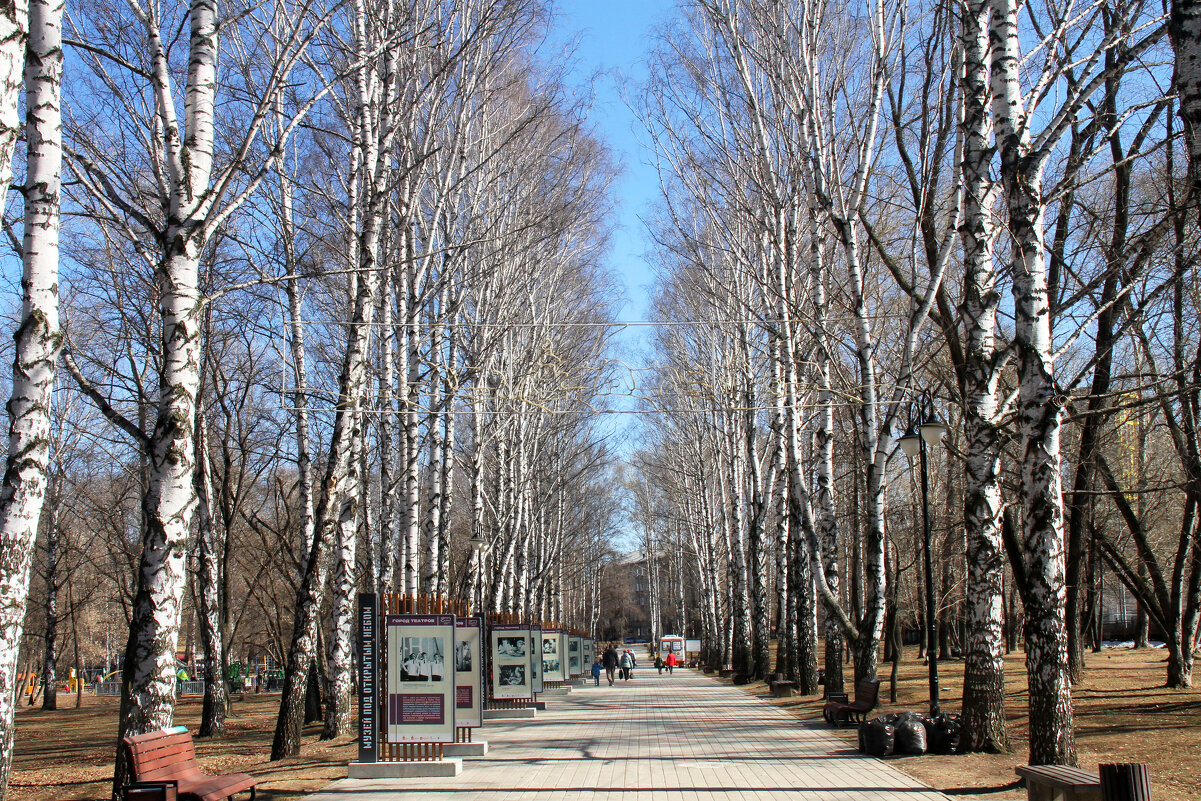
(837, 711)
(1059, 783)
(170, 756)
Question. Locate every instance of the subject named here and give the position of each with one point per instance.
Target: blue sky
(612, 40)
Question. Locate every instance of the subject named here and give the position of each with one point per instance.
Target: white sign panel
(575, 653)
(421, 678)
(511, 661)
(468, 669)
(552, 655)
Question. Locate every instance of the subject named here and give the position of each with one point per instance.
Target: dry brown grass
(1123, 714)
(67, 755)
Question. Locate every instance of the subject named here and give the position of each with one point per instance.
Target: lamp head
(910, 442)
(932, 429)
(478, 543)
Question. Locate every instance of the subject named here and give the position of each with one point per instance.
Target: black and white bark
(37, 337)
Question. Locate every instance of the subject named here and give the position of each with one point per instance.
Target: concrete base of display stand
(556, 691)
(507, 714)
(407, 770)
(475, 749)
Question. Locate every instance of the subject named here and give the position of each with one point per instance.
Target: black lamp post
(479, 546)
(926, 430)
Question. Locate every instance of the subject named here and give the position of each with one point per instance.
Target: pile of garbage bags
(909, 733)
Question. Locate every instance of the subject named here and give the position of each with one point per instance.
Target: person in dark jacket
(610, 661)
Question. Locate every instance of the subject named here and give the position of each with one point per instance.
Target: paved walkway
(684, 737)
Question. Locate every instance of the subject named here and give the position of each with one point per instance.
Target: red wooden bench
(171, 756)
(838, 711)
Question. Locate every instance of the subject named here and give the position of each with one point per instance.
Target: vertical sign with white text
(536, 680)
(368, 725)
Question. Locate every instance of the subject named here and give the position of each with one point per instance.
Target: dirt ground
(1123, 714)
(67, 755)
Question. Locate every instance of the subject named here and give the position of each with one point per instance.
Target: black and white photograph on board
(422, 659)
(463, 657)
(512, 675)
(513, 647)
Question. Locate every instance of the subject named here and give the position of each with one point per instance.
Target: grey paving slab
(684, 736)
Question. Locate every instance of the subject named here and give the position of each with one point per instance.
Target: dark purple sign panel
(424, 709)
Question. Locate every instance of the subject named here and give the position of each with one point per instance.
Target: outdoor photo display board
(421, 678)
(589, 655)
(537, 683)
(564, 638)
(552, 655)
(468, 672)
(511, 650)
(575, 647)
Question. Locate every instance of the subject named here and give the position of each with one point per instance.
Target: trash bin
(151, 791)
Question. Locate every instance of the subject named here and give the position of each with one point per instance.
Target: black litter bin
(151, 791)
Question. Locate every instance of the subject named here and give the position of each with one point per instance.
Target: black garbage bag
(911, 737)
(943, 734)
(862, 741)
(892, 718)
(879, 738)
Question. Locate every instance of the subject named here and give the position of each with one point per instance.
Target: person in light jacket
(627, 664)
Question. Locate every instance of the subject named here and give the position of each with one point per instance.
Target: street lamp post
(479, 545)
(926, 430)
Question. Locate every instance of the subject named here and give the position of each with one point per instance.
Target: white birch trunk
(148, 698)
(368, 145)
(434, 575)
(300, 398)
(984, 669)
(344, 586)
(389, 523)
(1184, 30)
(37, 338)
(1039, 407)
(14, 29)
(212, 718)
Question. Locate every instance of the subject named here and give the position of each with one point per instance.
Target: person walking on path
(610, 661)
(670, 662)
(659, 664)
(596, 671)
(627, 664)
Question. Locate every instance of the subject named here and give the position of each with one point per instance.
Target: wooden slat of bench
(176, 752)
(217, 787)
(1061, 776)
